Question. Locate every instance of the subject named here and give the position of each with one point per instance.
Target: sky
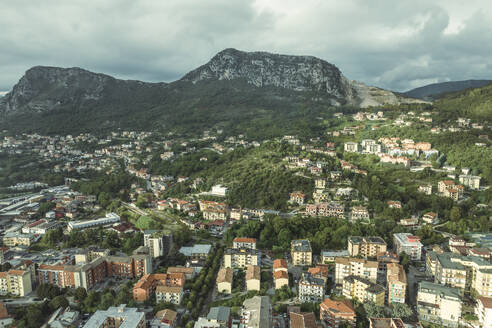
(397, 45)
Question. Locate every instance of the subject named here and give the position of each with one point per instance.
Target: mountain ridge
(434, 91)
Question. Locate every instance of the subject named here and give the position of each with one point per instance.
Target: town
(366, 226)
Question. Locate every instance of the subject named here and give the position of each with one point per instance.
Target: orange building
(147, 285)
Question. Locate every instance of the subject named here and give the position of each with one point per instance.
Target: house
(396, 283)
(311, 289)
(252, 277)
(189, 273)
(430, 218)
(196, 252)
(320, 183)
(224, 280)
(425, 189)
(328, 256)
(438, 304)
(394, 204)
(391, 323)
(301, 252)
(366, 247)
(164, 319)
(302, 320)
(280, 273)
(220, 315)
(335, 314)
(409, 244)
(471, 181)
(147, 285)
(483, 310)
(297, 198)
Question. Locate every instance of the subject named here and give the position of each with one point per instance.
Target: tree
(80, 294)
(58, 302)
(401, 310)
(374, 311)
(455, 213)
(404, 260)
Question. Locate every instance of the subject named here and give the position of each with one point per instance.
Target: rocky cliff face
(44, 88)
(299, 73)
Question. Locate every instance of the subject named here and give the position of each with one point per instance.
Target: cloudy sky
(392, 44)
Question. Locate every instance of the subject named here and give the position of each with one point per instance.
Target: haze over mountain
(435, 90)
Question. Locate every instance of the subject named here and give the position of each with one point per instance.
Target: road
(134, 209)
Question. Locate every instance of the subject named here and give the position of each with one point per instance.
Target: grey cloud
(391, 44)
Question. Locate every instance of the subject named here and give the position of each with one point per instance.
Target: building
(88, 275)
(408, 244)
(396, 283)
(256, 312)
(367, 247)
(253, 277)
(439, 304)
(425, 189)
(311, 289)
(359, 213)
(297, 197)
(363, 289)
(117, 317)
(331, 209)
(164, 319)
(329, 256)
(189, 273)
(302, 320)
(301, 252)
(391, 323)
(146, 286)
(169, 294)
(12, 239)
(349, 266)
(280, 273)
(241, 257)
(351, 147)
(110, 218)
(430, 218)
(196, 252)
(220, 315)
(224, 280)
(158, 242)
(335, 314)
(483, 310)
(15, 282)
(471, 181)
(239, 242)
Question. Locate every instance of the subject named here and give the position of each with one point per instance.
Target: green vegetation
(474, 103)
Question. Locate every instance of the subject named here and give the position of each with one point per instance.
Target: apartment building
(409, 244)
(363, 289)
(88, 275)
(297, 198)
(224, 280)
(367, 247)
(483, 310)
(471, 181)
(328, 209)
(301, 252)
(146, 286)
(438, 304)
(240, 242)
(116, 317)
(351, 147)
(256, 312)
(463, 272)
(253, 277)
(311, 289)
(158, 241)
(396, 283)
(241, 257)
(335, 314)
(15, 282)
(351, 266)
(169, 294)
(302, 320)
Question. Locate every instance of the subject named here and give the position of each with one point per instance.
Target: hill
(437, 90)
(473, 103)
(233, 88)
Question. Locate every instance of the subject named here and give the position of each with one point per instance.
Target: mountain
(233, 87)
(436, 90)
(298, 73)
